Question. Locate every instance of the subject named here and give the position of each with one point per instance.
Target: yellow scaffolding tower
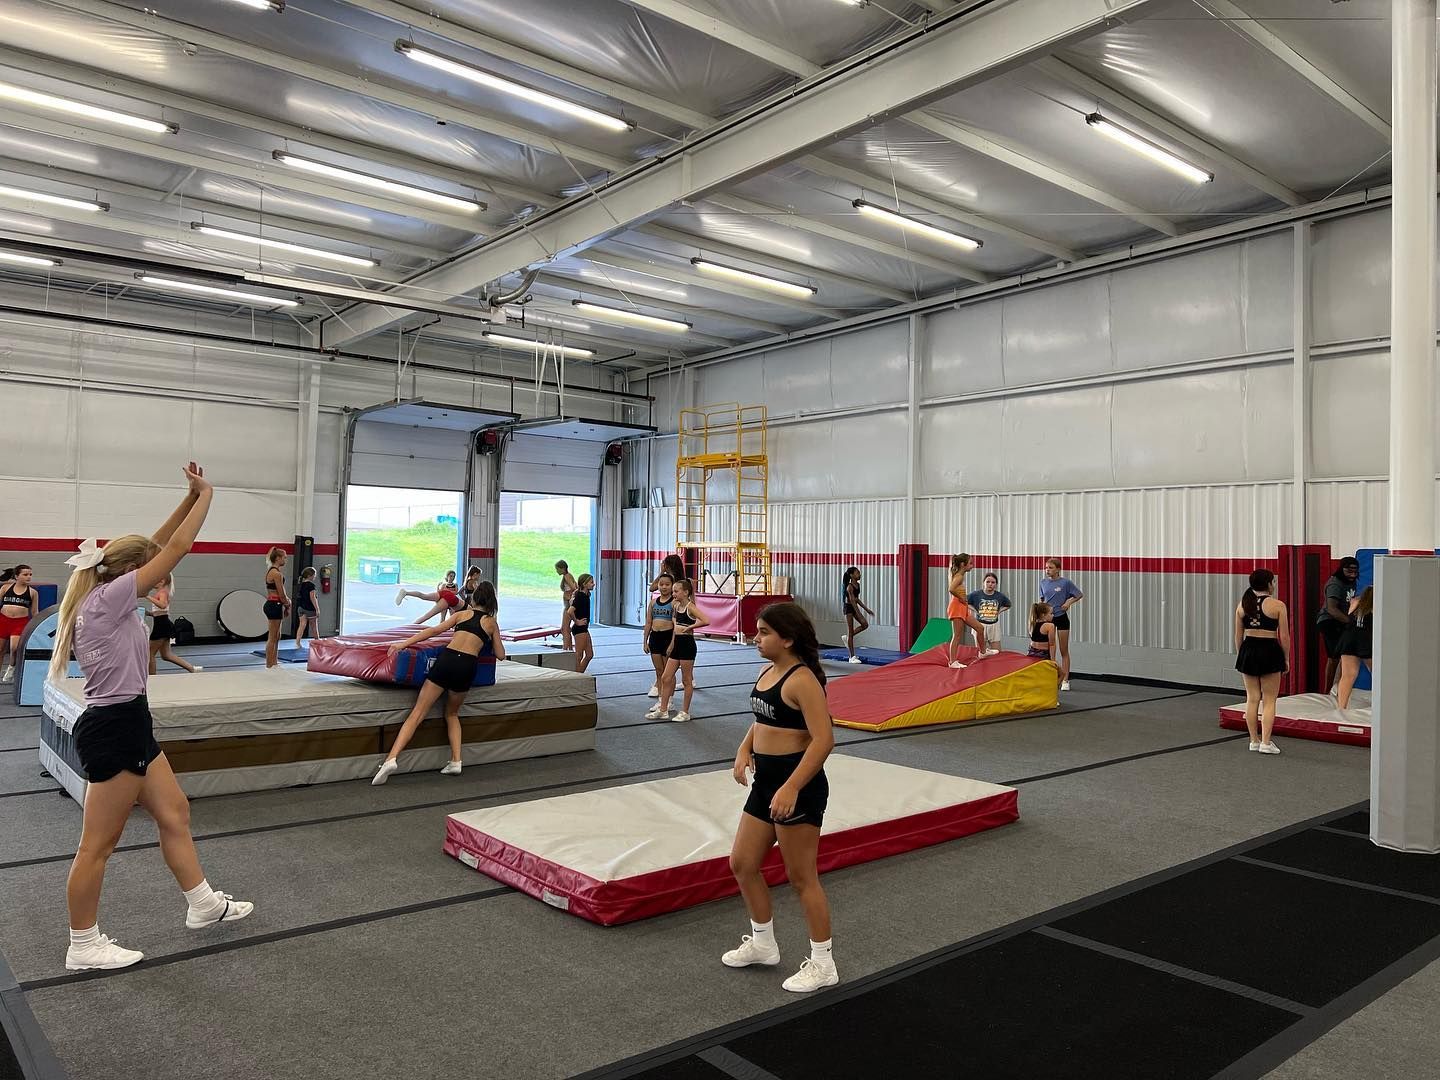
(725, 442)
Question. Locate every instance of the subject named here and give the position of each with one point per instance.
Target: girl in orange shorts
(959, 612)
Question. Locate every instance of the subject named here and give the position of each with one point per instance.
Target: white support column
(1405, 758)
(914, 392)
(307, 434)
(1300, 385)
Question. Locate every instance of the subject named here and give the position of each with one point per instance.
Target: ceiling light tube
(1146, 148)
(54, 200)
(263, 5)
(22, 96)
(156, 282)
(507, 86)
(924, 228)
(26, 260)
(654, 322)
(378, 183)
(535, 345)
(280, 245)
(749, 277)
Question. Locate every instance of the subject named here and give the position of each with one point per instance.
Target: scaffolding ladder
(722, 472)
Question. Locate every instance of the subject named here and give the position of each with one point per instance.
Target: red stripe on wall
(482, 553)
(1104, 564)
(202, 547)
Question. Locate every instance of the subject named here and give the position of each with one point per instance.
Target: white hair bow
(90, 555)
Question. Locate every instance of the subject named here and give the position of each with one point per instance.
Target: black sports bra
(11, 598)
(684, 618)
(770, 708)
(472, 625)
(1260, 621)
(272, 587)
(1037, 634)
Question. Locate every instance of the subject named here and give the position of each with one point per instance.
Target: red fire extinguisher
(325, 579)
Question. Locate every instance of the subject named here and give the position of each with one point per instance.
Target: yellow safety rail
(722, 493)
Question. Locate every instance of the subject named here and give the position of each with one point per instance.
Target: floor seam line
(1334, 880)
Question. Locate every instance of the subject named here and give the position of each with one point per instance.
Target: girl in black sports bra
(785, 751)
(659, 627)
(1262, 647)
(476, 633)
(577, 621)
(276, 604)
(681, 659)
(1042, 632)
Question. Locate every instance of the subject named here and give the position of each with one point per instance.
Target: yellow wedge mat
(1033, 688)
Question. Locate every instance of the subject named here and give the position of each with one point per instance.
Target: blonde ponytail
(122, 555)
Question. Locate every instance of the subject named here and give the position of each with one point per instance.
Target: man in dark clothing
(1335, 616)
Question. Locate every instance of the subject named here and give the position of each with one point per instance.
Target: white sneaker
(197, 667)
(681, 717)
(957, 665)
(654, 691)
(811, 976)
(1269, 748)
(451, 769)
(105, 955)
(990, 652)
(657, 713)
(400, 596)
(383, 773)
(1065, 685)
(8, 676)
(231, 911)
(749, 953)
(1254, 746)
(855, 660)
(844, 639)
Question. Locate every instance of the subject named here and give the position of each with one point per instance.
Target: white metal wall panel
(1177, 310)
(1348, 514)
(329, 450)
(961, 350)
(869, 367)
(797, 379)
(1058, 439)
(1061, 332)
(243, 446)
(952, 438)
(1350, 282)
(549, 466)
(740, 380)
(1269, 298)
(398, 455)
(1268, 424)
(127, 438)
(1350, 407)
(854, 457)
(39, 431)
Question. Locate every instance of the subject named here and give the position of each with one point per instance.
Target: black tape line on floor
(480, 797)
(19, 749)
(32, 791)
(683, 1048)
(270, 938)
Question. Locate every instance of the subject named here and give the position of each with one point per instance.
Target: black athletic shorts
(848, 609)
(1260, 656)
(1331, 631)
(683, 647)
(771, 772)
(307, 612)
(163, 630)
(1061, 621)
(660, 642)
(111, 739)
(274, 610)
(1358, 641)
(453, 671)
(579, 628)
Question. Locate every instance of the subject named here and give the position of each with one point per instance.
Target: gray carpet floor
(370, 951)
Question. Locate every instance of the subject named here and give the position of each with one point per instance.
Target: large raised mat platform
(253, 729)
(625, 853)
(1312, 716)
(924, 689)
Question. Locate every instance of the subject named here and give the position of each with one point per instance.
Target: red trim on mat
(1412, 552)
(202, 547)
(1233, 718)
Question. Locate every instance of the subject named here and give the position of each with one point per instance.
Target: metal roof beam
(1164, 126)
(730, 33)
(630, 295)
(916, 65)
(1255, 30)
(97, 79)
(433, 107)
(703, 244)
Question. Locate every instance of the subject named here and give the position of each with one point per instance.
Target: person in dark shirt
(306, 613)
(989, 604)
(1334, 618)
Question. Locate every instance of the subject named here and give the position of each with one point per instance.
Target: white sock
(763, 934)
(202, 896)
(85, 937)
(820, 952)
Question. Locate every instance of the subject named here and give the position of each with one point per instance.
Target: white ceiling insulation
(1285, 101)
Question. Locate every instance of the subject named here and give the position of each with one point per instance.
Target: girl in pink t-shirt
(114, 736)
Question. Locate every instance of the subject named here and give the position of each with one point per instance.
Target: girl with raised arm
(114, 736)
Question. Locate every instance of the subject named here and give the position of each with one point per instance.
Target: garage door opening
(397, 538)
(536, 531)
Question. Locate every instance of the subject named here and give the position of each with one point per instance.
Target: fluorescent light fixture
(529, 343)
(26, 260)
(749, 277)
(9, 192)
(379, 183)
(280, 245)
(924, 228)
(214, 290)
(39, 100)
(654, 322)
(262, 5)
(514, 89)
(1146, 148)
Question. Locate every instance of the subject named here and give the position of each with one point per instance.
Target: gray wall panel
(1350, 284)
(1178, 310)
(1269, 294)
(1350, 400)
(1061, 332)
(114, 444)
(962, 350)
(1059, 439)
(962, 448)
(797, 379)
(1188, 430)
(870, 366)
(39, 431)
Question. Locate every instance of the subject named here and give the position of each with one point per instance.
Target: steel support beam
(731, 33)
(405, 99)
(914, 67)
(1300, 411)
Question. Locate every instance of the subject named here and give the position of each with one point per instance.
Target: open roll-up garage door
(415, 444)
(561, 456)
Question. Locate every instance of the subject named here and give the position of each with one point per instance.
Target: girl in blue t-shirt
(1061, 594)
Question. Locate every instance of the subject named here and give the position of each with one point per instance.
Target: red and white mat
(1313, 716)
(624, 853)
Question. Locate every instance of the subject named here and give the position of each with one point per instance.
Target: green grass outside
(426, 551)
(527, 561)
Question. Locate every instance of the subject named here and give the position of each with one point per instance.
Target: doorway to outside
(536, 531)
(397, 538)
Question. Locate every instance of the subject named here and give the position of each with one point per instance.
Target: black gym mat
(691, 1068)
(1297, 937)
(1355, 858)
(9, 1067)
(1358, 822)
